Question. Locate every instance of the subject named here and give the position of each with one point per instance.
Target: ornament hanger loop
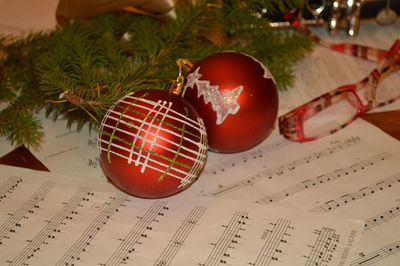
(177, 86)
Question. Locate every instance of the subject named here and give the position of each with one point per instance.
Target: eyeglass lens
(342, 110)
(345, 106)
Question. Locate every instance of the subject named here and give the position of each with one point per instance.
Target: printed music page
(354, 173)
(49, 219)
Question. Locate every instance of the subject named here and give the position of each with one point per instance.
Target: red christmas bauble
(152, 144)
(236, 96)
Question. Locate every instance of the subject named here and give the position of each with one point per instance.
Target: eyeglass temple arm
(356, 50)
(391, 59)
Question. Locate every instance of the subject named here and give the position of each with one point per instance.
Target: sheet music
(62, 144)
(354, 174)
(49, 219)
(324, 70)
(312, 176)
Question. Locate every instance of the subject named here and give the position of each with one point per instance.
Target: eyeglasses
(334, 110)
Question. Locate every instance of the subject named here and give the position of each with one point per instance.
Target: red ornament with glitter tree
(236, 96)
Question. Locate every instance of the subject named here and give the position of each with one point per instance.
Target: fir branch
(19, 88)
(79, 70)
(21, 128)
(98, 62)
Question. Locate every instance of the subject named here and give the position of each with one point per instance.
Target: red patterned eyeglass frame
(356, 50)
(291, 123)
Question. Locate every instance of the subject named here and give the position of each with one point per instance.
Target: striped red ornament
(152, 144)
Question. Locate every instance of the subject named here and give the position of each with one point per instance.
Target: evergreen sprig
(80, 69)
(20, 91)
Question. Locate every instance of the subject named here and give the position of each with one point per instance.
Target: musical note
(92, 162)
(47, 233)
(228, 239)
(9, 186)
(237, 161)
(380, 254)
(92, 142)
(382, 217)
(281, 169)
(361, 193)
(26, 209)
(325, 178)
(180, 236)
(323, 248)
(139, 230)
(99, 226)
(274, 238)
(88, 235)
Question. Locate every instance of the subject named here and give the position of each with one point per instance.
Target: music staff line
(52, 227)
(180, 236)
(123, 252)
(228, 239)
(281, 169)
(360, 194)
(382, 217)
(82, 244)
(325, 178)
(28, 207)
(244, 158)
(324, 247)
(9, 186)
(274, 238)
(375, 256)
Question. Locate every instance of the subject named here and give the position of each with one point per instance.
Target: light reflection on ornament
(236, 96)
(152, 144)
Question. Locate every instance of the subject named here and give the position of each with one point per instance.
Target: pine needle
(100, 61)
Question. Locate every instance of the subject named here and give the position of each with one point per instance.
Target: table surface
(388, 121)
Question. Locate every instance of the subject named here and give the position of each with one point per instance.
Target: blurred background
(23, 16)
